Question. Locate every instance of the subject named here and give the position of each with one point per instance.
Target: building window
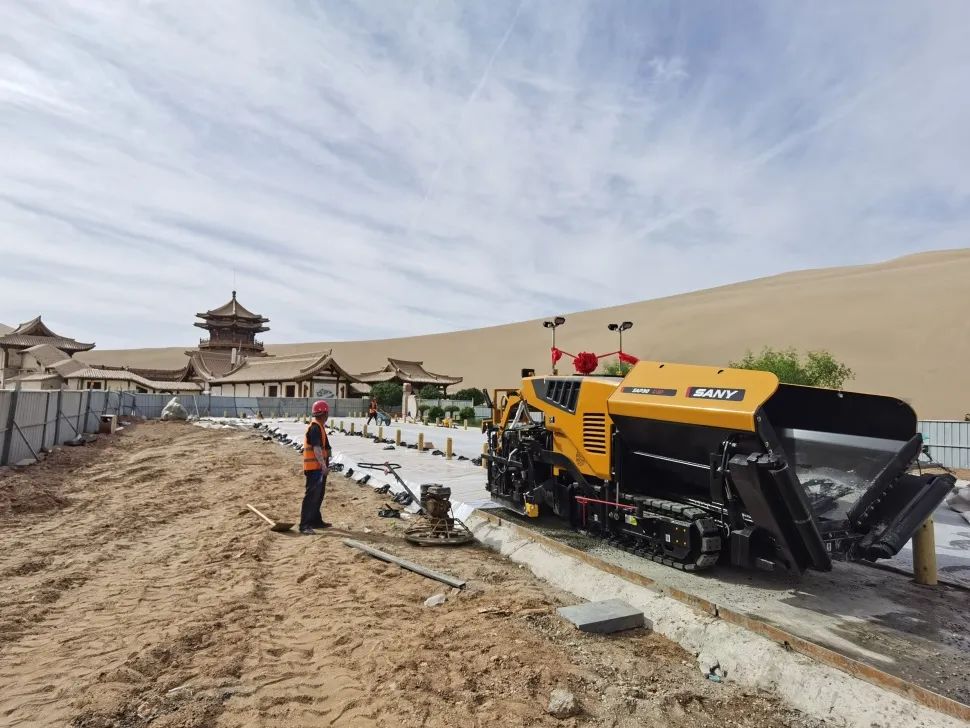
(306, 390)
(94, 385)
(290, 390)
(273, 391)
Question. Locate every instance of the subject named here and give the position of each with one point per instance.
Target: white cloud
(379, 169)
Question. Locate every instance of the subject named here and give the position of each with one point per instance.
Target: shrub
(422, 408)
(820, 369)
(618, 368)
(435, 413)
(388, 394)
(475, 395)
(429, 391)
(466, 413)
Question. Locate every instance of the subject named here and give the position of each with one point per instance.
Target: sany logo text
(732, 395)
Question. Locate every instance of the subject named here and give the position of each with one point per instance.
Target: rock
(562, 704)
(174, 411)
(25, 462)
(435, 601)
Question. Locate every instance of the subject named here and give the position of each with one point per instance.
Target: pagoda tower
(232, 326)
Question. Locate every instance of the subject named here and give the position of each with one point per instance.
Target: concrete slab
(604, 617)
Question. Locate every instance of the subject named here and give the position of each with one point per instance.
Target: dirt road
(137, 590)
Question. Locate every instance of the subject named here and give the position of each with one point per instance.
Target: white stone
(174, 411)
(562, 704)
(435, 601)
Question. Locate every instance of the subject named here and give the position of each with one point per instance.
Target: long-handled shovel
(273, 525)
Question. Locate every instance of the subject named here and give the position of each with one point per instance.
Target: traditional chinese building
(34, 357)
(232, 326)
(312, 374)
(231, 361)
(22, 340)
(408, 372)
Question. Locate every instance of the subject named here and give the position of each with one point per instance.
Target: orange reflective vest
(310, 461)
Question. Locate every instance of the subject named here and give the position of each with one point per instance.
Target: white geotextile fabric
(959, 499)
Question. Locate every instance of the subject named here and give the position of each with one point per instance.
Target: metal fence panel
(28, 426)
(6, 424)
(948, 441)
(70, 423)
(101, 402)
(92, 417)
(50, 433)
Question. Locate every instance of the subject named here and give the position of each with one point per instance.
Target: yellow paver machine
(692, 466)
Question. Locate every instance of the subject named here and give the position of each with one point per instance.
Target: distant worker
(316, 465)
(372, 410)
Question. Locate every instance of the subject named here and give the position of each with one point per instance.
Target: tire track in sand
(294, 673)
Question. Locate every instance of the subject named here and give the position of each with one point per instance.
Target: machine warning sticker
(730, 395)
(650, 390)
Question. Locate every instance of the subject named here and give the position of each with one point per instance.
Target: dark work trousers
(316, 486)
(371, 417)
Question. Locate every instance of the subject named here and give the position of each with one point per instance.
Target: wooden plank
(824, 655)
(405, 564)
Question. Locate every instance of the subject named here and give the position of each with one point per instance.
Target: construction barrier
(33, 422)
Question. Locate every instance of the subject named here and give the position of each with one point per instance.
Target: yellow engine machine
(691, 466)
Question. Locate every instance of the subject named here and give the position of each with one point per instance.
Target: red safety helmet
(320, 407)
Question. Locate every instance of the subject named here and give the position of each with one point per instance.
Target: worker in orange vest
(372, 410)
(316, 465)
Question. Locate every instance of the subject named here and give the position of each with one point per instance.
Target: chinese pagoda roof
(35, 333)
(233, 309)
(288, 368)
(407, 372)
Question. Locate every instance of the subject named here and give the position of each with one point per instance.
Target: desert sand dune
(903, 326)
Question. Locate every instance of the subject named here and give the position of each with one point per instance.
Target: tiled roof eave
(25, 341)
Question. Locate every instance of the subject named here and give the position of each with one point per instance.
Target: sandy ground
(139, 591)
(898, 324)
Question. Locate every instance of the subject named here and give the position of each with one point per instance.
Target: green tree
(388, 394)
(467, 413)
(422, 408)
(435, 413)
(429, 391)
(819, 369)
(475, 395)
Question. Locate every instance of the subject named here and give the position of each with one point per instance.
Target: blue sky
(380, 168)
